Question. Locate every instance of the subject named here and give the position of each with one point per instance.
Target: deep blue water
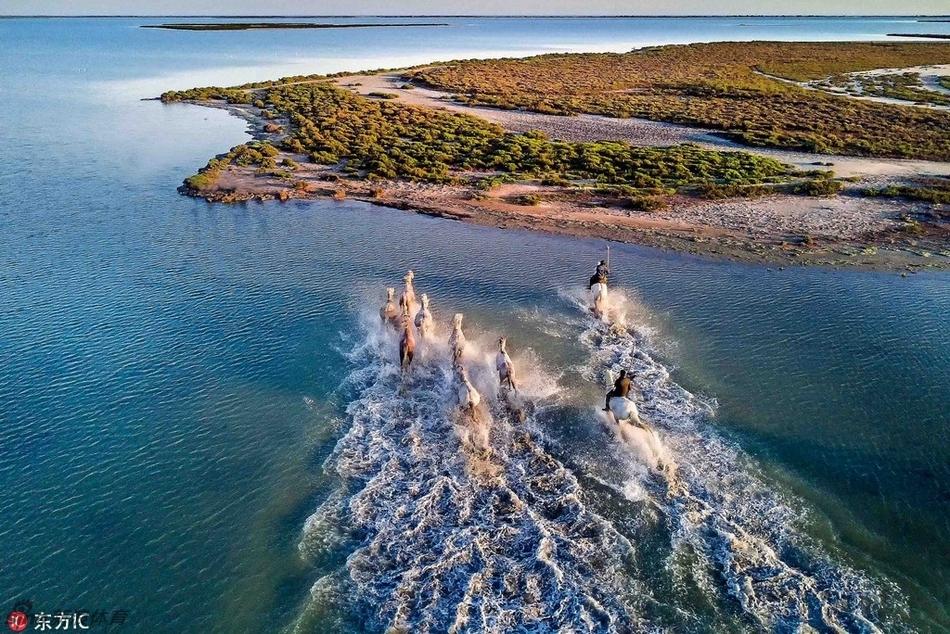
(171, 371)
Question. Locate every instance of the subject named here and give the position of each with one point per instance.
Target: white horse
(457, 338)
(506, 370)
(639, 437)
(474, 430)
(407, 343)
(469, 398)
(624, 410)
(599, 294)
(424, 321)
(389, 313)
(407, 301)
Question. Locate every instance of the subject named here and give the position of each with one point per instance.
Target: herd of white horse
(408, 316)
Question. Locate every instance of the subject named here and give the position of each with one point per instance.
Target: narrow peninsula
(247, 26)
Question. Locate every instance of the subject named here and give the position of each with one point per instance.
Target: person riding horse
(622, 387)
(600, 275)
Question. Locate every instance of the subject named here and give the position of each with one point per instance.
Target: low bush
(716, 192)
(818, 187)
(646, 203)
(555, 180)
(936, 194)
(529, 200)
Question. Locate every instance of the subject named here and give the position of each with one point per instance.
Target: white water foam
(451, 539)
(730, 532)
(444, 537)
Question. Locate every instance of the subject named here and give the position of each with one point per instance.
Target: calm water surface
(173, 372)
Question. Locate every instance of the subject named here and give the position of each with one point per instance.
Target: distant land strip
(935, 36)
(244, 26)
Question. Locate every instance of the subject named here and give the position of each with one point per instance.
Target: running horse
(407, 343)
(389, 313)
(598, 290)
(506, 370)
(641, 438)
(624, 410)
(407, 301)
(457, 339)
(424, 321)
(468, 396)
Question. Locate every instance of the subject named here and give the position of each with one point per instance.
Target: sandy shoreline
(845, 230)
(929, 78)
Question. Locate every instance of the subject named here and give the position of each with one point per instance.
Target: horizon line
(524, 15)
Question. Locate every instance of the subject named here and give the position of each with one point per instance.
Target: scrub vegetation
(385, 139)
(935, 191)
(724, 86)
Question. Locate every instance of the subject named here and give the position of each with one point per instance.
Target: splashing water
(444, 536)
(452, 539)
(728, 528)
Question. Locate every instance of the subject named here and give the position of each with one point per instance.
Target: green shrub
(818, 187)
(936, 194)
(529, 200)
(646, 203)
(555, 180)
(715, 192)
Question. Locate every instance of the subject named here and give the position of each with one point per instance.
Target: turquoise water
(178, 377)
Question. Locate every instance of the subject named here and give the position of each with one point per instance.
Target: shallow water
(184, 385)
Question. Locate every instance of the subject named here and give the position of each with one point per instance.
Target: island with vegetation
(247, 26)
(932, 36)
(640, 147)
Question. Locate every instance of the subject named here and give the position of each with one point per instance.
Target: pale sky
(479, 7)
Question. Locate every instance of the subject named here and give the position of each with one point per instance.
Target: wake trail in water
(730, 533)
(528, 532)
(452, 538)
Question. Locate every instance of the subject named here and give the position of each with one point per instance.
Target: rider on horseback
(600, 275)
(622, 387)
